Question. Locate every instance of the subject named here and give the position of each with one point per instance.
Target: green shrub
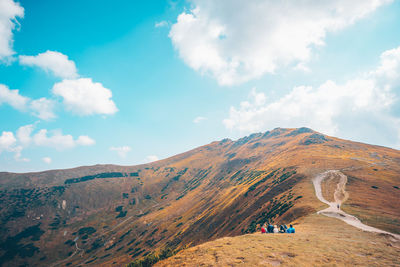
(152, 258)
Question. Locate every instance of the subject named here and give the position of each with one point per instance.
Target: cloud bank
(360, 109)
(24, 137)
(55, 138)
(235, 41)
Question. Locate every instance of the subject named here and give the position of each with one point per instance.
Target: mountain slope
(319, 241)
(109, 214)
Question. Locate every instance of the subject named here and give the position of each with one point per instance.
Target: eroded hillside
(109, 214)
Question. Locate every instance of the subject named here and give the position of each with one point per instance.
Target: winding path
(340, 196)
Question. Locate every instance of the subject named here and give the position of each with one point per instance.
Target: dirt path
(340, 196)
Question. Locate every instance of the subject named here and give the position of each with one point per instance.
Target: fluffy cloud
(7, 141)
(25, 137)
(59, 141)
(18, 154)
(122, 151)
(84, 97)
(24, 134)
(13, 98)
(360, 109)
(42, 108)
(9, 12)
(151, 158)
(199, 119)
(46, 160)
(52, 61)
(85, 140)
(80, 95)
(236, 41)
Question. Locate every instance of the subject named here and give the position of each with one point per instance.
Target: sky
(129, 82)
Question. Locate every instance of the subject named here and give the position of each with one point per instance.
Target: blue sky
(183, 74)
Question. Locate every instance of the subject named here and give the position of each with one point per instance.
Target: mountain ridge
(224, 140)
(225, 188)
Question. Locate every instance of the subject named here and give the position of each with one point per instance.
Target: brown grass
(319, 241)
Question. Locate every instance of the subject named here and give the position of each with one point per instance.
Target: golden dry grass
(319, 241)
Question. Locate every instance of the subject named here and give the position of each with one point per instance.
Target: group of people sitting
(274, 229)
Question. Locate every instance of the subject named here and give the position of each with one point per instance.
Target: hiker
(338, 206)
(290, 230)
(282, 228)
(264, 229)
(276, 229)
(270, 228)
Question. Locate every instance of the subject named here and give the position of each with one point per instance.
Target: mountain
(109, 215)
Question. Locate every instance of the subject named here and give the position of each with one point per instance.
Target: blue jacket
(290, 230)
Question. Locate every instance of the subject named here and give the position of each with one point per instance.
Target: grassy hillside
(319, 241)
(110, 215)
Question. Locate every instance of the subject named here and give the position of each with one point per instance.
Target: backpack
(270, 228)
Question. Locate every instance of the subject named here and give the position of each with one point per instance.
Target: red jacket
(263, 231)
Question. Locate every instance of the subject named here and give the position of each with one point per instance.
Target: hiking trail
(340, 196)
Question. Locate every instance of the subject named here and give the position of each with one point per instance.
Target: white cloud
(84, 97)
(122, 151)
(24, 134)
(18, 154)
(80, 95)
(9, 12)
(151, 158)
(302, 66)
(7, 141)
(360, 109)
(13, 98)
(25, 137)
(47, 160)
(199, 119)
(59, 141)
(390, 64)
(85, 140)
(52, 61)
(41, 108)
(56, 140)
(236, 41)
(161, 24)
